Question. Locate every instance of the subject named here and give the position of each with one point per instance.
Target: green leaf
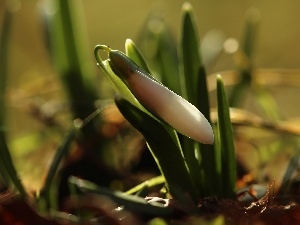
(226, 143)
(149, 183)
(60, 153)
(135, 55)
(189, 65)
(69, 51)
(166, 152)
(118, 85)
(190, 57)
(130, 202)
(287, 178)
(210, 163)
(205, 170)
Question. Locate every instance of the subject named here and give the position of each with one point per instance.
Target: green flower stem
(116, 82)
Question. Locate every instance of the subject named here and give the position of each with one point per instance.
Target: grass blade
(226, 143)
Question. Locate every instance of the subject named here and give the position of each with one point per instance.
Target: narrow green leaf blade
(149, 183)
(60, 153)
(210, 163)
(190, 57)
(130, 202)
(226, 143)
(134, 53)
(70, 54)
(195, 86)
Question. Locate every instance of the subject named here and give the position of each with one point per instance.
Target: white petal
(175, 110)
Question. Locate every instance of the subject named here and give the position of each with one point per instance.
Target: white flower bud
(160, 101)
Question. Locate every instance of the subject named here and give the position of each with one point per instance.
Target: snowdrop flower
(160, 101)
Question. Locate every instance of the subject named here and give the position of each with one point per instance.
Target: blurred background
(31, 72)
(111, 22)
